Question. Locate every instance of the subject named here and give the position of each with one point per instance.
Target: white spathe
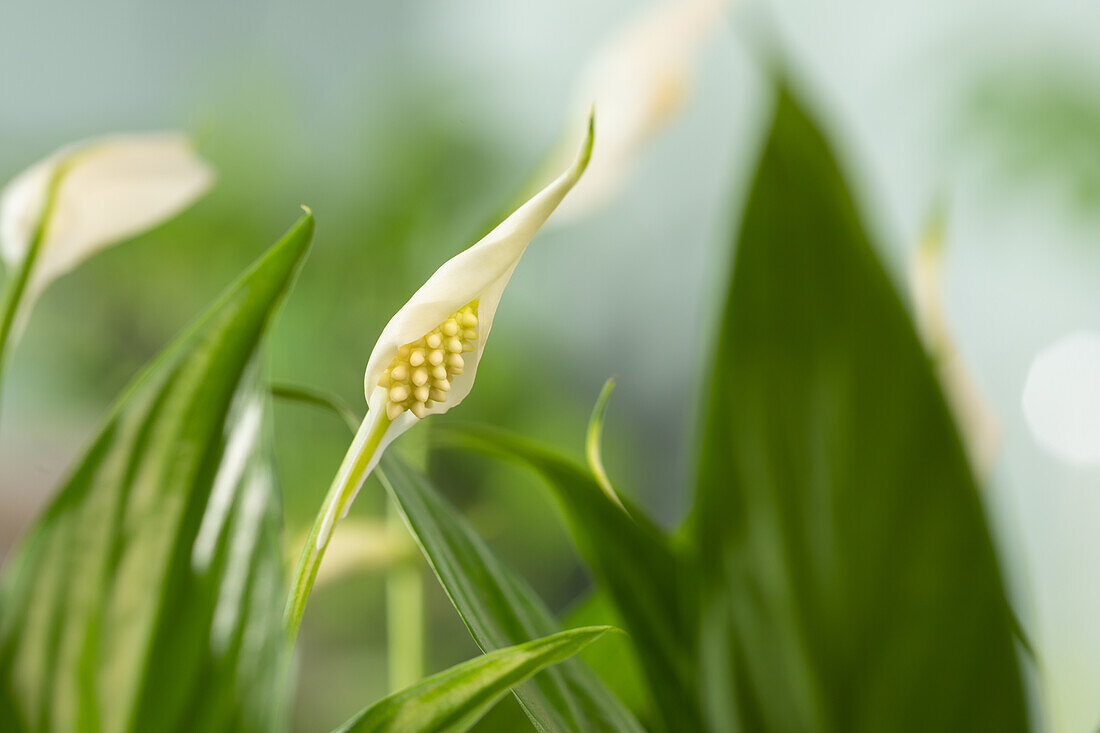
(110, 189)
(639, 80)
(1061, 399)
(480, 272)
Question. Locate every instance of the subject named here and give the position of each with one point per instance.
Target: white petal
(639, 81)
(481, 272)
(21, 204)
(110, 189)
(1061, 399)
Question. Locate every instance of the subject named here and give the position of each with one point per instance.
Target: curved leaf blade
(453, 700)
(148, 595)
(499, 608)
(850, 578)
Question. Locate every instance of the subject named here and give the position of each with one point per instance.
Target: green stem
(352, 473)
(18, 280)
(404, 614)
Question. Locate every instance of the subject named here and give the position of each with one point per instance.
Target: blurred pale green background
(406, 125)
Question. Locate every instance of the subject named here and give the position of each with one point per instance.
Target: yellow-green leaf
(453, 700)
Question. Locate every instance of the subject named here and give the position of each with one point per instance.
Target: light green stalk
(404, 613)
(351, 475)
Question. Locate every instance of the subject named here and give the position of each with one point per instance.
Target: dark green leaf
(614, 659)
(851, 583)
(148, 595)
(632, 560)
(499, 608)
(455, 699)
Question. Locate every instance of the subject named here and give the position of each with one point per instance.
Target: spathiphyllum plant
(834, 572)
(426, 358)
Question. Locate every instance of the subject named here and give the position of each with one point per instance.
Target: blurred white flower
(1061, 399)
(92, 194)
(978, 425)
(426, 358)
(638, 81)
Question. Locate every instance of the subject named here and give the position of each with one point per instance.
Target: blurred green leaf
(499, 608)
(653, 590)
(1038, 122)
(614, 660)
(455, 699)
(149, 594)
(850, 581)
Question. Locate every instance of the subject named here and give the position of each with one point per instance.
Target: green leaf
(850, 580)
(652, 588)
(614, 660)
(148, 596)
(499, 608)
(455, 699)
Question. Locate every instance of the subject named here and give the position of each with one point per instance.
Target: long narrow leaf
(632, 560)
(453, 700)
(148, 595)
(850, 579)
(500, 608)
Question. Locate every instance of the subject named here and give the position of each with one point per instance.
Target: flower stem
(404, 614)
(353, 471)
(20, 277)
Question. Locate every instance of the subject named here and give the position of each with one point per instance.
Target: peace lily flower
(978, 425)
(640, 80)
(84, 198)
(427, 356)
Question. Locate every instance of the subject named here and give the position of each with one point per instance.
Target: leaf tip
(585, 154)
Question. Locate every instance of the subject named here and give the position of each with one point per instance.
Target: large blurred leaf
(654, 591)
(499, 608)
(148, 596)
(455, 699)
(850, 579)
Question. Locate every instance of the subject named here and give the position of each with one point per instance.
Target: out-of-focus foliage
(615, 659)
(850, 582)
(1039, 123)
(149, 595)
